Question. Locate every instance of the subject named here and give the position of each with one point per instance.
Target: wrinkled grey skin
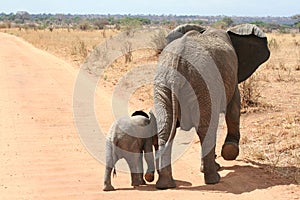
(131, 138)
(236, 53)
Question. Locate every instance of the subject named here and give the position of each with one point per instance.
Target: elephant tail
(114, 159)
(175, 108)
(114, 172)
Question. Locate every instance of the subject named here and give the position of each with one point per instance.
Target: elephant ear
(251, 47)
(179, 31)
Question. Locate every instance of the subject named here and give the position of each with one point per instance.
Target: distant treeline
(23, 19)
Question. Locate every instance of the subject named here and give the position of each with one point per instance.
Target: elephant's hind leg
(210, 168)
(218, 167)
(230, 149)
(164, 109)
(165, 180)
(208, 164)
(136, 169)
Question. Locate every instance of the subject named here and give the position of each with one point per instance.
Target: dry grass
(285, 56)
(142, 98)
(68, 44)
(270, 135)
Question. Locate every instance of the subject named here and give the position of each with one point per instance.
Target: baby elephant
(131, 138)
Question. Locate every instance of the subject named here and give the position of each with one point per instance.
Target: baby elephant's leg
(136, 169)
(149, 157)
(107, 180)
(108, 168)
(149, 176)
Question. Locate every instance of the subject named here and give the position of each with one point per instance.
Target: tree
(111, 20)
(228, 21)
(101, 23)
(22, 16)
(296, 17)
(220, 24)
(224, 23)
(84, 25)
(297, 24)
(200, 22)
(130, 24)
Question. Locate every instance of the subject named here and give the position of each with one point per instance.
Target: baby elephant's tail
(114, 172)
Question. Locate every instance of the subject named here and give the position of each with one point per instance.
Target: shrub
(84, 25)
(79, 49)
(127, 52)
(273, 44)
(158, 41)
(101, 23)
(250, 93)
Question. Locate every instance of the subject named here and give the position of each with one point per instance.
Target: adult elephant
(197, 78)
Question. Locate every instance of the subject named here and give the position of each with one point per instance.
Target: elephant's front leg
(110, 162)
(107, 180)
(230, 149)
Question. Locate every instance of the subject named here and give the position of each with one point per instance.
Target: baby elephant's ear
(251, 47)
(179, 31)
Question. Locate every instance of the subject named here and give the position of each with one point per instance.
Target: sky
(177, 7)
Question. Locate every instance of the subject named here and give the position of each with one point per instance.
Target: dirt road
(42, 156)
